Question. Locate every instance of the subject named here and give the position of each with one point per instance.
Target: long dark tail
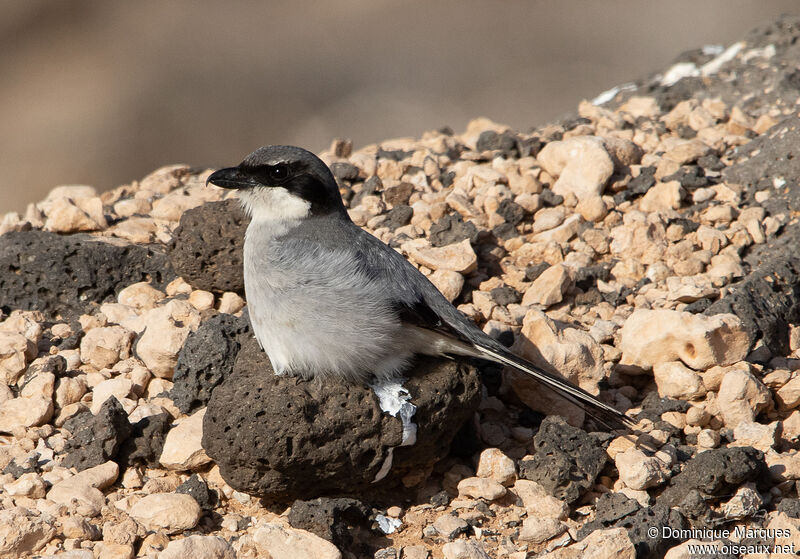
(603, 413)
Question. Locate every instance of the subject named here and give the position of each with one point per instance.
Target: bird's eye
(279, 172)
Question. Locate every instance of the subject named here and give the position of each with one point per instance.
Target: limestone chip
(166, 331)
(198, 547)
(582, 165)
(281, 542)
(21, 532)
(182, 449)
(457, 257)
(741, 397)
(103, 347)
(555, 346)
(659, 336)
(173, 512)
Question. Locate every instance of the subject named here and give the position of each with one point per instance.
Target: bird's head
(282, 182)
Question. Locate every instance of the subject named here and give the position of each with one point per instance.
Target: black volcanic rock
(566, 460)
(206, 358)
(206, 248)
(716, 472)
(70, 275)
(332, 519)
(284, 438)
(146, 441)
(96, 438)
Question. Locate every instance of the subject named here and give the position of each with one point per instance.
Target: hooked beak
(232, 177)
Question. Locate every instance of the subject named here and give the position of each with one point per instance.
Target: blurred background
(101, 93)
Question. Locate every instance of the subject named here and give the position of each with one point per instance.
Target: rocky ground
(644, 248)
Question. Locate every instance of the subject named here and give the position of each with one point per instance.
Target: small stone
(96, 438)
(39, 381)
(79, 528)
(24, 412)
(548, 218)
(570, 352)
(464, 549)
(708, 438)
(415, 552)
(450, 526)
(639, 471)
(582, 165)
(22, 533)
(202, 300)
(108, 550)
(141, 296)
(675, 380)
(613, 543)
(172, 206)
(387, 553)
(497, 466)
(481, 488)
(458, 257)
(538, 502)
(71, 191)
(104, 347)
(172, 512)
(450, 283)
(760, 436)
(641, 107)
(28, 485)
(132, 206)
(178, 286)
(788, 395)
(182, 449)
(563, 232)
(164, 179)
(549, 288)
(84, 488)
(117, 387)
(539, 530)
(198, 547)
(659, 336)
(394, 511)
(592, 209)
(166, 331)
(687, 151)
(281, 542)
(15, 350)
(461, 204)
(741, 397)
(697, 415)
(132, 479)
(65, 215)
(662, 197)
(230, 303)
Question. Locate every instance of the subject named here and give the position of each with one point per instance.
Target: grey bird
(326, 298)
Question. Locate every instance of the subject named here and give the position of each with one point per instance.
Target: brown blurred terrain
(101, 93)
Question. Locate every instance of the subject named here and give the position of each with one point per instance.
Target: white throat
(275, 204)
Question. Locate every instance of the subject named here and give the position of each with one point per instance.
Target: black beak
(232, 177)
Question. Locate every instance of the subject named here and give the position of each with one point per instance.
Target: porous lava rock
(335, 520)
(566, 460)
(206, 358)
(767, 301)
(96, 439)
(715, 473)
(206, 248)
(285, 438)
(199, 490)
(68, 275)
(614, 510)
(146, 441)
